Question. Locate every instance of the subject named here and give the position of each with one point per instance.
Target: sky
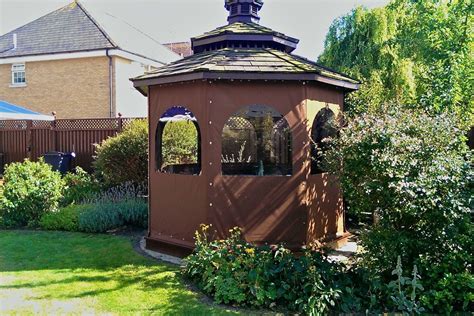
(179, 20)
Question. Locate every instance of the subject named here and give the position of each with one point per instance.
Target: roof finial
(243, 10)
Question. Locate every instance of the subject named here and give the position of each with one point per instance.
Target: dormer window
(18, 75)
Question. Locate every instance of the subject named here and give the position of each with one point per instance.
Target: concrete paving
(344, 253)
(159, 255)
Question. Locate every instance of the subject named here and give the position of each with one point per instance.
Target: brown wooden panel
(13, 145)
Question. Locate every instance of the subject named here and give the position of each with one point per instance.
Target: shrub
(104, 216)
(414, 172)
(66, 219)
(31, 189)
(114, 208)
(99, 218)
(124, 158)
(134, 212)
(79, 186)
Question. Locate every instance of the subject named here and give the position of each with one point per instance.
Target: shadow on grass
(81, 265)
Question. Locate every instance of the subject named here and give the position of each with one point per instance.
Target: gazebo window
(256, 141)
(324, 127)
(178, 142)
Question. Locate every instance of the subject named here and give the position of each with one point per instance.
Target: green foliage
(414, 171)
(180, 143)
(235, 272)
(134, 212)
(111, 209)
(124, 158)
(31, 189)
(66, 219)
(114, 208)
(79, 186)
(104, 216)
(404, 165)
(418, 53)
(99, 218)
(403, 285)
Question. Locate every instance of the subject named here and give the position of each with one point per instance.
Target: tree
(416, 53)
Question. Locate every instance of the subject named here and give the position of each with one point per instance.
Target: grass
(58, 273)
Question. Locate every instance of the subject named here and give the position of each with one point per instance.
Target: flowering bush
(414, 172)
(108, 210)
(119, 206)
(235, 272)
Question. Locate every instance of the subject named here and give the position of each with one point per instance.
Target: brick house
(183, 49)
(78, 64)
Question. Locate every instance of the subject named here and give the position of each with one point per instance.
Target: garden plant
(412, 170)
(124, 158)
(30, 190)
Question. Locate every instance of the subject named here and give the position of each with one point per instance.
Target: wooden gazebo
(256, 108)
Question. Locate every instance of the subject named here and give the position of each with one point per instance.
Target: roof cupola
(243, 10)
(243, 31)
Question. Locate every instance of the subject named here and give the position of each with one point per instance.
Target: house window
(18, 74)
(324, 127)
(178, 142)
(256, 141)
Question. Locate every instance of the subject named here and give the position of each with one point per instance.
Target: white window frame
(18, 69)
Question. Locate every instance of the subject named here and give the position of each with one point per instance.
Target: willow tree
(416, 53)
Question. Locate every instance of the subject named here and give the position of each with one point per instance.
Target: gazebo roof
(248, 32)
(244, 50)
(252, 64)
(244, 28)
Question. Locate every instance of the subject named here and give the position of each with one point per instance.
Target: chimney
(14, 41)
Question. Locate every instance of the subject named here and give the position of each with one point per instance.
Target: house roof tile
(72, 28)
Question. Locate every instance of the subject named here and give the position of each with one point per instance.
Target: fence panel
(32, 139)
(13, 140)
(82, 142)
(42, 138)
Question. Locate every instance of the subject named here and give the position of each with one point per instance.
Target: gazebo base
(168, 248)
(181, 251)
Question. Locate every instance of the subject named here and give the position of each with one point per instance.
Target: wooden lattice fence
(32, 139)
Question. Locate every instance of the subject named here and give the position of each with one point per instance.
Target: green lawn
(56, 272)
